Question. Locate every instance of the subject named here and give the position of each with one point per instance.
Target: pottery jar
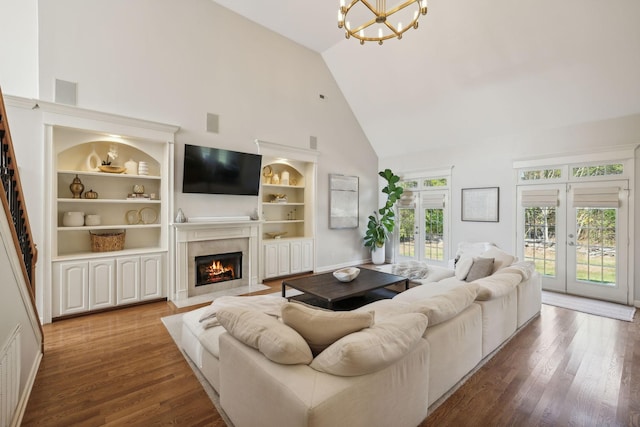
(73, 219)
(92, 220)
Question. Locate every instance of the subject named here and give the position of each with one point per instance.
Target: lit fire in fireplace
(218, 272)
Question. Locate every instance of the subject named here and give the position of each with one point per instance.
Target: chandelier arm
(367, 4)
(354, 31)
(401, 6)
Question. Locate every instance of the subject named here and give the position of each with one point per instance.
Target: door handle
(571, 244)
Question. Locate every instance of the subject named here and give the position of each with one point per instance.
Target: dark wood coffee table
(325, 290)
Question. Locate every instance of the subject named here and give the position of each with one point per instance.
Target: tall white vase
(377, 256)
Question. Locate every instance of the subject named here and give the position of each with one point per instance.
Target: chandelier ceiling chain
(381, 20)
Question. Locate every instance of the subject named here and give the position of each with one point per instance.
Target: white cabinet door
(71, 288)
(307, 256)
(296, 256)
(270, 260)
(284, 263)
(151, 277)
(128, 280)
(102, 291)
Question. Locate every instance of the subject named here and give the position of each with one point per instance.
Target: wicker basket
(105, 242)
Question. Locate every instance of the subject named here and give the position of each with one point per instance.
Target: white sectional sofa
(417, 347)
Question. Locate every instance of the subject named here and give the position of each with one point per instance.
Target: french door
(423, 227)
(577, 236)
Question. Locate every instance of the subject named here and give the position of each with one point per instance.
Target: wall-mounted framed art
(343, 201)
(481, 204)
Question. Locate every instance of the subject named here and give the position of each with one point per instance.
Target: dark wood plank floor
(122, 367)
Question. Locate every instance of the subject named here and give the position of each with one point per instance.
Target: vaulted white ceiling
(474, 70)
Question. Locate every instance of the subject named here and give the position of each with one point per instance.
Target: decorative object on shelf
(382, 222)
(275, 179)
(112, 154)
(132, 217)
(73, 219)
(267, 173)
(106, 242)
(131, 167)
(346, 274)
(76, 187)
(143, 168)
(284, 178)
(278, 198)
(93, 161)
(138, 196)
(92, 220)
(293, 181)
(180, 217)
(254, 216)
(379, 27)
(138, 189)
(91, 194)
(276, 235)
(111, 169)
(148, 215)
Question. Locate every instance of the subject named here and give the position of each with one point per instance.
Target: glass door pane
(407, 231)
(597, 237)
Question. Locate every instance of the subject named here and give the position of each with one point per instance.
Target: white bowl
(346, 274)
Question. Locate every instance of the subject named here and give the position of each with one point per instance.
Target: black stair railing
(14, 206)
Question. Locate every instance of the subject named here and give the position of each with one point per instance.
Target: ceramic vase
(76, 187)
(377, 256)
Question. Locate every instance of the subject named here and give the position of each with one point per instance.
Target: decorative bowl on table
(346, 274)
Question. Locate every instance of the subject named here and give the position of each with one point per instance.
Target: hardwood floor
(122, 367)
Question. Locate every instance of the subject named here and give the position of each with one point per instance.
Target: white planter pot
(377, 256)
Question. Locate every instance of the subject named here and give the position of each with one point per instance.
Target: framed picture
(481, 204)
(343, 201)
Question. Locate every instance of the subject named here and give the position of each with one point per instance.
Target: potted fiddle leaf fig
(382, 222)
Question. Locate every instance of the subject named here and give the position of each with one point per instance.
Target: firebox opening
(218, 268)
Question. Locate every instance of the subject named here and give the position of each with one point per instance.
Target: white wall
(19, 47)
(489, 163)
(174, 62)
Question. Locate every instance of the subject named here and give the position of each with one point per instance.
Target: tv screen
(217, 171)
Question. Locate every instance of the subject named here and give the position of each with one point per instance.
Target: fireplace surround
(213, 236)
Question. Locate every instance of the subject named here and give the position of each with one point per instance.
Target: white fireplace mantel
(204, 230)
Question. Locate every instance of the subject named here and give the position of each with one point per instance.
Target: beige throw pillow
(321, 328)
(278, 342)
(374, 348)
(482, 267)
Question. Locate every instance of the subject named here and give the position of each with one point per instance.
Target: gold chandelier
(380, 22)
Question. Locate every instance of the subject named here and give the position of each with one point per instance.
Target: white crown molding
(285, 151)
(619, 152)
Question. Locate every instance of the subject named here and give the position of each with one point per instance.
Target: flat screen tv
(217, 171)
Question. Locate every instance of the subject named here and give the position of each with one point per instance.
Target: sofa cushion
(481, 267)
(497, 285)
(385, 308)
(429, 290)
(277, 341)
(374, 348)
(501, 258)
(463, 265)
(321, 328)
(441, 308)
(266, 303)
